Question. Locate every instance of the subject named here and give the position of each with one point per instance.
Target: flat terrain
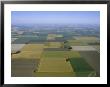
(30, 51)
(23, 67)
(16, 47)
(60, 54)
(53, 45)
(13, 39)
(81, 67)
(55, 51)
(25, 40)
(86, 38)
(97, 47)
(93, 59)
(33, 47)
(55, 67)
(51, 36)
(83, 48)
(28, 55)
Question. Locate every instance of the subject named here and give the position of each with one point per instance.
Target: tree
(69, 47)
(65, 41)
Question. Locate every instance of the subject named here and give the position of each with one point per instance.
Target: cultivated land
(83, 48)
(16, 47)
(53, 45)
(93, 58)
(28, 55)
(97, 47)
(23, 67)
(33, 47)
(55, 51)
(55, 67)
(60, 54)
(86, 38)
(81, 67)
(13, 39)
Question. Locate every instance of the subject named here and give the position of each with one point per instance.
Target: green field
(55, 54)
(93, 58)
(83, 41)
(81, 67)
(59, 35)
(22, 40)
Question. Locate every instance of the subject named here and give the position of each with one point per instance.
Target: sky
(55, 17)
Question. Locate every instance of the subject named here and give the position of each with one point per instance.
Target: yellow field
(51, 36)
(54, 74)
(30, 51)
(54, 67)
(28, 54)
(76, 43)
(52, 45)
(33, 47)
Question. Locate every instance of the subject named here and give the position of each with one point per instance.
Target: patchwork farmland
(61, 51)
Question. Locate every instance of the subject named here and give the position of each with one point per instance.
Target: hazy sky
(55, 17)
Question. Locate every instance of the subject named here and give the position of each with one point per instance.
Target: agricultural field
(33, 47)
(97, 47)
(93, 58)
(51, 36)
(54, 67)
(76, 43)
(30, 51)
(16, 47)
(13, 39)
(59, 35)
(29, 39)
(82, 68)
(23, 67)
(83, 48)
(53, 45)
(60, 54)
(55, 51)
(86, 38)
(28, 54)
